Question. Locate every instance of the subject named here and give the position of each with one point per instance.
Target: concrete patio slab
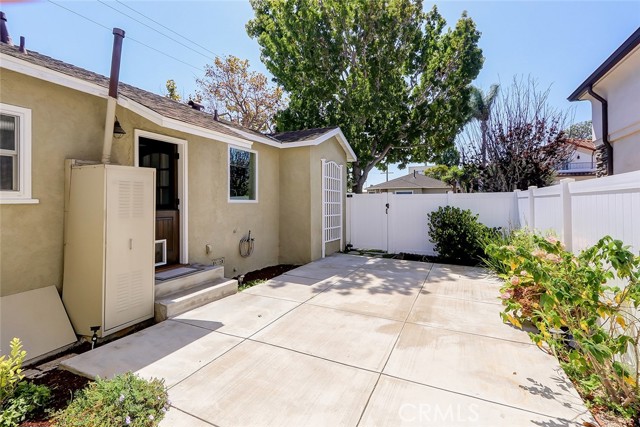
(321, 271)
(440, 272)
(374, 293)
(308, 351)
(465, 316)
(261, 385)
(397, 266)
(499, 371)
(342, 260)
(241, 314)
(177, 418)
(400, 403)
(352, 339)
(482, 291)
(292, 288)
(169, 350)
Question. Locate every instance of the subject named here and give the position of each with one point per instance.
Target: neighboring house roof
(587, 144)
(416, 180)
(627, 47)
(159, 109)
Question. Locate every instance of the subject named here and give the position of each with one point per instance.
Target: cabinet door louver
(128, 290)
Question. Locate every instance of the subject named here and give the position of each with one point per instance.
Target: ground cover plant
(585, 310)
(18, 398)
(125, 400)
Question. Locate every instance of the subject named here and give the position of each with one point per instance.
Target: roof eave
(625, 49)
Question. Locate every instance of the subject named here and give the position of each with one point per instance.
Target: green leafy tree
(391, 75)
(580, 130)
(481, 105)
(172, 90)
(240, 95)
(522, 143)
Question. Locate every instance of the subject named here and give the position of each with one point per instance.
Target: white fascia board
(23, 67)
(351, 156)
(178, 125)
(255, 138)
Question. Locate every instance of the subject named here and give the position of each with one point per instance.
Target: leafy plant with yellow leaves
(584, 306)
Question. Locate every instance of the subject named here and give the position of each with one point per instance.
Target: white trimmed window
(243, 175)
(15, 155)
(403, 192)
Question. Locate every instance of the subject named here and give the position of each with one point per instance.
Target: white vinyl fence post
(567, 226)
(532, 208)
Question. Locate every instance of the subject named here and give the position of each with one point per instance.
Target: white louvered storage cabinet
(109, 247)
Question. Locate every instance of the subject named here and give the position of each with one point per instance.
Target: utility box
(109, 247)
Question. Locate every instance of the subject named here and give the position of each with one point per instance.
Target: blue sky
(557, 42)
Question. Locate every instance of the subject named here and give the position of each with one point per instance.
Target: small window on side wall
(15, 155)
(243, 173)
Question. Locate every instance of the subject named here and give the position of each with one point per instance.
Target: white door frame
(183, 184)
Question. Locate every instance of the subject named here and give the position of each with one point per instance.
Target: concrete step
(196, 296)
(171, 286)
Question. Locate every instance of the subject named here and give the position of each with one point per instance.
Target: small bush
(585, 307)
(27, 399)
(457, 235)
(125, 400)
(18, 398)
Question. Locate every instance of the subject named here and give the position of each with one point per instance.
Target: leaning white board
(38, 318)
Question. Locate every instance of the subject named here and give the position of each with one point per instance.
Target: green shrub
(125, 400)
(457, 235)
(27, 399)
(585, 309)
(18, 398)
(521, 238)
(10, 370)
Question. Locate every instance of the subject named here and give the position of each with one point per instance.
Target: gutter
(112, 99)
(605, 127)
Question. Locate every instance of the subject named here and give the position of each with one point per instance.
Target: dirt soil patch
(268, 272)
(63, 385)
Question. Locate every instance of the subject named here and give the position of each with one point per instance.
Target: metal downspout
(605, 128)
(118, 36)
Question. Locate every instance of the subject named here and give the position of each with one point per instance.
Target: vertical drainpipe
(114, 77)
(605, 128)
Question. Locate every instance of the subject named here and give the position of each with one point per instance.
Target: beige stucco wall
(301, 217)
(295, 219)
(31, 235)
(330, 151)
(621, 88)
(212, 219)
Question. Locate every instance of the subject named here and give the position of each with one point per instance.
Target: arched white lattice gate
(331, 203)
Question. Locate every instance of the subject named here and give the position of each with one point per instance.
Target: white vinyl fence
(580, 213)
(399, 222)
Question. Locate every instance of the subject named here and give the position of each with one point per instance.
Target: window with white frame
(243, 175)
(403, 192)
(15, 154)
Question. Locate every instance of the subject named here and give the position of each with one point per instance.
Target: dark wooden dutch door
(163, 156)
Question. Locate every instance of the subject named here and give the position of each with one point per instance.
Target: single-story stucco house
(179, 189)
(614, 92)
(413, 183)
